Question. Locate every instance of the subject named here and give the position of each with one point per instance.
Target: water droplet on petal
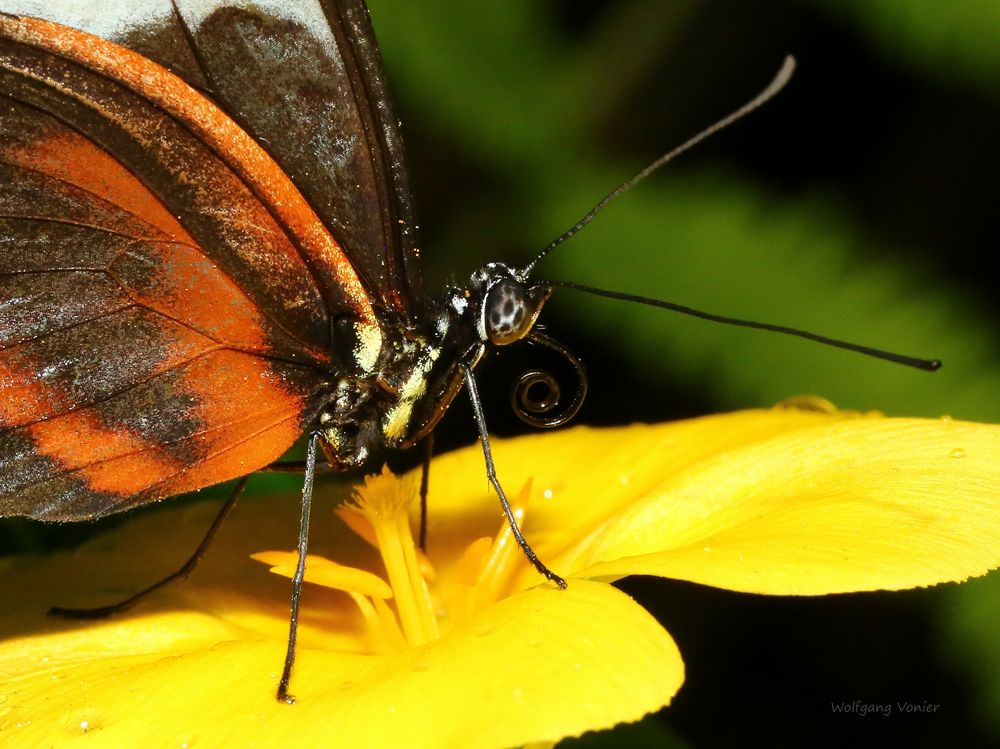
(957, 453)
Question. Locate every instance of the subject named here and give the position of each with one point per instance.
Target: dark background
(861, 204)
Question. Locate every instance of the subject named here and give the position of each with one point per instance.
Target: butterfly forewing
(326, 120)
(304, 78)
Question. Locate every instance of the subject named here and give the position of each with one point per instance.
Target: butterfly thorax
(421, 366)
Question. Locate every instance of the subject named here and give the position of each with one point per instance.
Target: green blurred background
(861, 204)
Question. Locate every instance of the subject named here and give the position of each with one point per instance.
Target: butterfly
(209, 253)
(180, 303)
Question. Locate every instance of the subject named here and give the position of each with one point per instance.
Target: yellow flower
(468, 646)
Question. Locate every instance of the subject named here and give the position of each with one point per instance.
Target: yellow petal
(584, 478)
(777, 501)
(540, 665)
(329, 574)
(198, 663)
(843, 506)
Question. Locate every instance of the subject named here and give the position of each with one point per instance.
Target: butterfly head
(499, 304)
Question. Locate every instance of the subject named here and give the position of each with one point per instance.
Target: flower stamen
(382, 623)
(383, 501)
(501, 563)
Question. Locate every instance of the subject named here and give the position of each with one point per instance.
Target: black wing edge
(351, 24)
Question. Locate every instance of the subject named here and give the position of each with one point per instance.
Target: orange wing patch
(250, 420)
(109, 460)
(179, 282)
(240, 414)
(70, 157)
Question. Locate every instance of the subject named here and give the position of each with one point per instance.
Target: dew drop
(547, 493)
(957, 453)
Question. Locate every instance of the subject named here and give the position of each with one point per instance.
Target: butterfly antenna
(928, 365)
(778, 83)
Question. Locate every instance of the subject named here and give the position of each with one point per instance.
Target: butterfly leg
(102, 612)
(425, 481)
(296, 466)
(300, 569)
(491, 474)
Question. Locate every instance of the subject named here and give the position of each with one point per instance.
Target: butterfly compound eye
(511, 309)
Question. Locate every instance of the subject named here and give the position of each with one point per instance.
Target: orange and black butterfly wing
(305, 80)
(166, 292)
